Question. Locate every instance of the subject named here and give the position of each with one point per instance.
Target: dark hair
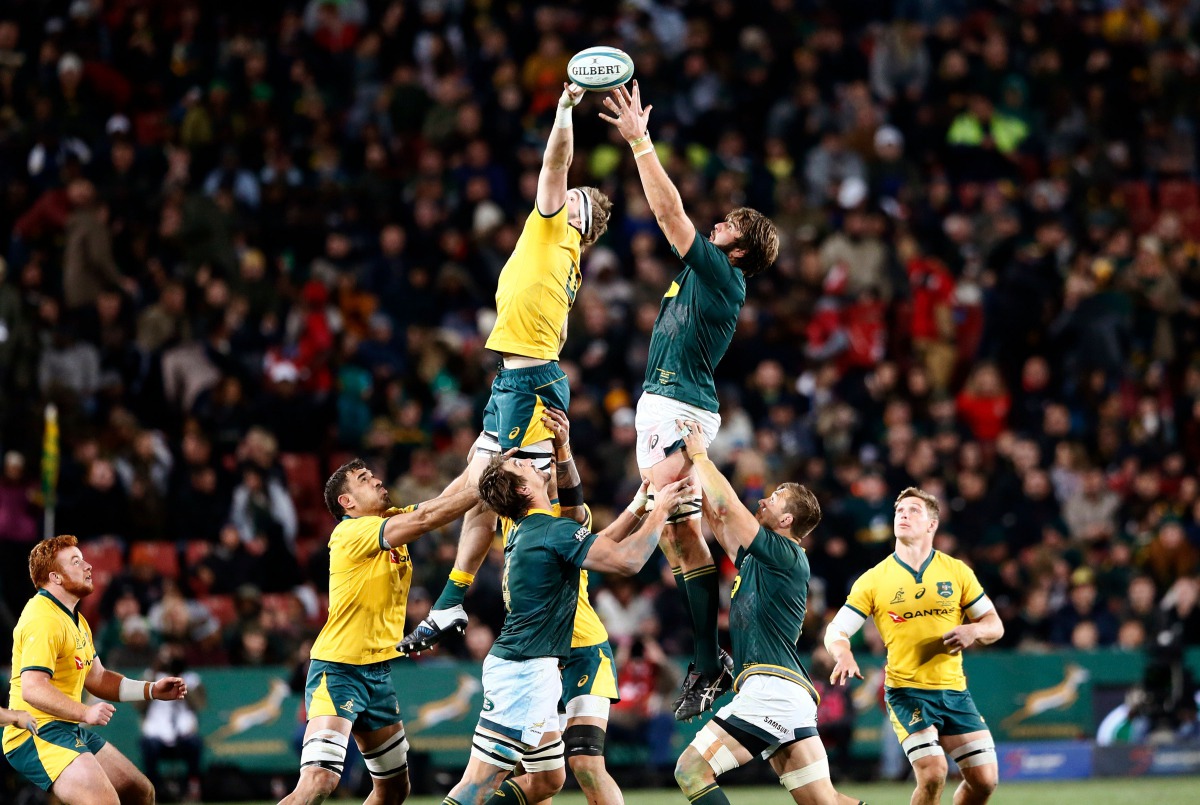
(931, 502)
(43, 559)
(759, 240)
(801, 503)
(601, 211)
(336, 485)
(499, 490)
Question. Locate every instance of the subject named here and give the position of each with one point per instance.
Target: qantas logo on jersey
(896, 618)
(904, 617)
(398, 558)
(79, 663)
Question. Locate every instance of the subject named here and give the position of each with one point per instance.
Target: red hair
(43, 559)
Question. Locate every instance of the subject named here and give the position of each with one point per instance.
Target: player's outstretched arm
(735, 525)
(629, 556)
(631, 120)
(629, 518)
(105, 684)
(567, 480)
(455, 501)
(560, 150)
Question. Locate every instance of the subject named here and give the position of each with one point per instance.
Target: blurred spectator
(1083, 606)
(171, 730)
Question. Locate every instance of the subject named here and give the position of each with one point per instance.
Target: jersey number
(737, 582)
(574, 280)
(504, 588)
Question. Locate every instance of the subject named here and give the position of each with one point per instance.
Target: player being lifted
(349, 688)
(535, 293)
(774, 710)
(920, 599)
(693, 330)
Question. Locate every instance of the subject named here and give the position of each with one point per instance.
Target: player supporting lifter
(535, 293)
(919, 599)
(774, 710)
(54, 660)
(693, 330)
(349, 689)
(521, 682)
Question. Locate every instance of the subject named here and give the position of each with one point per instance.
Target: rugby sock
(677, 572)
(455, 590)
(509, 793)
(701, 585)
(449, 800)
(710, 795)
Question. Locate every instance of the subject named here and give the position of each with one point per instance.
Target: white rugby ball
(600, 68)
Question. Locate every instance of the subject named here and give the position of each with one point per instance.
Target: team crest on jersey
(916, 717)
(488, 704)
(897, 618)
(898, 598)
(945, 589)
(348, 706)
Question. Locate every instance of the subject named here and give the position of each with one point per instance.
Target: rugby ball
(600, 68)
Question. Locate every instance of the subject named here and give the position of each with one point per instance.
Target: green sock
(450, 801)
(455, 590)
(677, 572)
(702, 592)
(711, 795)
(509, 793)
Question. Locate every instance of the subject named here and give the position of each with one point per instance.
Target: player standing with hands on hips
(920, 599)
(693, 330)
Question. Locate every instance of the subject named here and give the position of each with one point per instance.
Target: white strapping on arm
(844, 625)
(980, 608)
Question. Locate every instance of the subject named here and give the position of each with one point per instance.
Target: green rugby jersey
(766, 614)
(542, 560)
(694, 326)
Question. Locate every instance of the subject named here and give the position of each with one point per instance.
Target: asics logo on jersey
(945, 589)
(920, 594)
(895, 618)
(512, 434)
(582, 681)
(898, 598)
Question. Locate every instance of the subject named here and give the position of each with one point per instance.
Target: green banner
(253, 721)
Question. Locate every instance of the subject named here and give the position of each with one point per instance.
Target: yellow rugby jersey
(912, 609)
(588, 629)
(537, 288)
(368, 594)
(49, 638)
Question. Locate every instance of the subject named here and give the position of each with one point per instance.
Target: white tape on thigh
(710, 747)
(687, 510)
(389, 759)
(541, 456)
(497, 750)
(325, 749)
(544, 758)
(487, 443)
(818, 770)
(975, 753)
(588, 706)
(922, 744)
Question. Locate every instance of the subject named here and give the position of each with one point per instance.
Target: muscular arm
(447, 507)
(627, 557)
(103, 683)
(734, 525)
(37, 690)
(560, 150)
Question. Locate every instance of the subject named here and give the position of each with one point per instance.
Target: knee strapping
(542, 457)
(544, 758)
(589, 706)
(497, 750)
(390, 759)
(584, 739)
(718, 756)
(325, 749)
(919, 746)
(817, 770)
(975, 753)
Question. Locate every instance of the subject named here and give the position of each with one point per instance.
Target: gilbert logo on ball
(600, 68)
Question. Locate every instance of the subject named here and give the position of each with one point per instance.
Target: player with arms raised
(919, 599)
(349, 688)
(774, 710)
(54, 660)
(691, 334)
(535, 293)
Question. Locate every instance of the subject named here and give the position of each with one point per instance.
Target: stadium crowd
(243, 242)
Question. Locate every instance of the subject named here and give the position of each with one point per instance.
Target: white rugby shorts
(520, 699)
(656, 429)
(773, 709)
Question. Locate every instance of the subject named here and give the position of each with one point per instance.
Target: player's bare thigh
(802, 755)
(132, 786)
(83, 782)
(984, 775)
(684, 544)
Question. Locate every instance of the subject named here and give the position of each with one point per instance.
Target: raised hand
(560, 428)
(572, 94)
(630, 119)
(845, 668)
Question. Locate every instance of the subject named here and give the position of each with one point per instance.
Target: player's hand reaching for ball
(168, 689)
(572, 94)
(692, 433)
(99, 714)
(630, 119)
(670, 496)
(844, 668)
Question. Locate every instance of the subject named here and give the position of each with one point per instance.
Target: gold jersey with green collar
(537, 288)
(588, 629)
(368, 593)
(51, 638)
(913, 608)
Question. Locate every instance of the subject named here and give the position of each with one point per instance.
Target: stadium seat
(1139, 205)
(222, 608)
(194, 552)
(107, 558)
(303, 472)
(1178, 195)
(162, 556)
